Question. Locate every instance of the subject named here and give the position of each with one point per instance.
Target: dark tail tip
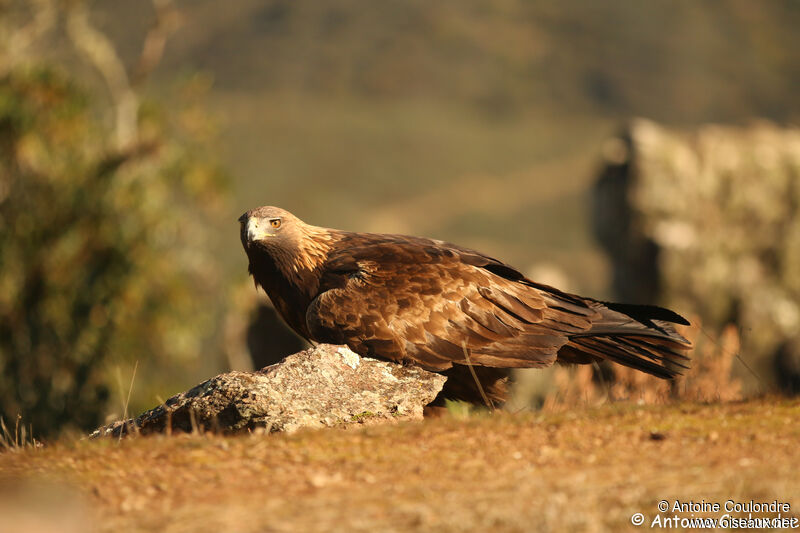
(645, 313)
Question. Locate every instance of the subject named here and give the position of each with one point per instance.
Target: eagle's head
(272, 233)
(269, 228)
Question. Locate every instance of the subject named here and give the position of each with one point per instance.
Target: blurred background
(133, 134)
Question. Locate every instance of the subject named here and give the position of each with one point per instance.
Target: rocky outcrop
(322, 386)
(708, 223)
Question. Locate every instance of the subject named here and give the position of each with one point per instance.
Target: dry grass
(588, 469)
(17, 439)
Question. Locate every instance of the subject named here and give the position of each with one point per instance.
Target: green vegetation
(362, 417)
(104, 255)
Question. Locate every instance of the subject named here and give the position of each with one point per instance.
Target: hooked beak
(254, 229)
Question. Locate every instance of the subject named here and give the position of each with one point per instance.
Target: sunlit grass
(588, 468)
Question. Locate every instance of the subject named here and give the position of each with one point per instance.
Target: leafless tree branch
(167, 21)
(19, 41)
(100, 52)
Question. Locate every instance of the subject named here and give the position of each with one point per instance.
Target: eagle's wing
(434, 305)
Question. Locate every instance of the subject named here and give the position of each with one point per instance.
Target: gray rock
(708, 222)
(322, 386)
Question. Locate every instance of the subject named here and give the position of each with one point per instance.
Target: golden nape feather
(443, 307)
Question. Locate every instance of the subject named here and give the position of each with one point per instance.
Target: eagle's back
(436, 304)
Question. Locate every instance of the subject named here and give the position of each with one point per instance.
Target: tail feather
(659, 351)
(637, 336)
(647, 313)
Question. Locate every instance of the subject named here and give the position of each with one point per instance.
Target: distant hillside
(672, 61)
(472, 121)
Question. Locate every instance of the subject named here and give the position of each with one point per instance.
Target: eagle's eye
(275, 223)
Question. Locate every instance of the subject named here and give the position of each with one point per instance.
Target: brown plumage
(443, 307)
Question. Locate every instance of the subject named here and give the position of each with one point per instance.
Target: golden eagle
(445, 308)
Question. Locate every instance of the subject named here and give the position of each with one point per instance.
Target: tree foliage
(104, 250)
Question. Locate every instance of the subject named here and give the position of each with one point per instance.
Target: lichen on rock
(320, 387)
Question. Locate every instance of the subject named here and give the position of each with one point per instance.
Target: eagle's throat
(291, 277)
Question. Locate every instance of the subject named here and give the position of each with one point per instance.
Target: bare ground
(586, 469)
